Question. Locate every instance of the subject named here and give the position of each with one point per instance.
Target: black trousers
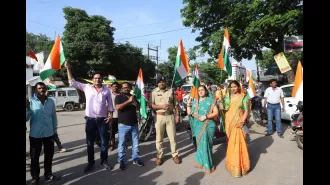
(97, 126)
(35, 150)
(58, 141)
(113, 127)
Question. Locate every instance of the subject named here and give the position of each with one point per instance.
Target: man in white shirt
(273, 99)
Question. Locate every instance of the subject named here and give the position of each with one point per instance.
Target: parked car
(65, 97)
(289, 101)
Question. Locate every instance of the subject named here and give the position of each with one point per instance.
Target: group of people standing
(205, 113)
(108, 111)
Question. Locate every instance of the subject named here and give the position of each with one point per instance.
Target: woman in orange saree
(236, 107)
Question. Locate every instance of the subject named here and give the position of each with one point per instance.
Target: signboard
(293, 44)
(282, 62)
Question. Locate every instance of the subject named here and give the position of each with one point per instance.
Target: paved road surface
(274, 161)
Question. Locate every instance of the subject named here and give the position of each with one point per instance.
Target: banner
(293, 44)
(282, 62)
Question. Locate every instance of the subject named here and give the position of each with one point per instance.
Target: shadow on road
(194, 179)
(75, 174)
(257, 147)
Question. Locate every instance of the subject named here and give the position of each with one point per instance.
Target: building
(33, 70)
(238, 72)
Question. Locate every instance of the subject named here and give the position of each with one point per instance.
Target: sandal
(35, 181)
(52, 178)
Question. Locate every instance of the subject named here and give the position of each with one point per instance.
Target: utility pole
(156, 57)
(258, 75)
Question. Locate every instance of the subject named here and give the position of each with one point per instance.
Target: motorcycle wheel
(146, 132)
(299, 140)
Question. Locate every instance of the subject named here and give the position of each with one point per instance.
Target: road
(274, 161)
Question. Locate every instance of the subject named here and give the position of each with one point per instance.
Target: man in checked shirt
(97, 99)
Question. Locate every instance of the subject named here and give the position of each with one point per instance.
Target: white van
(65, 97)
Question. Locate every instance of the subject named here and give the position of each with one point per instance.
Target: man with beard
(43, 125)
(164, 102)
(127, 105)
(97, 99)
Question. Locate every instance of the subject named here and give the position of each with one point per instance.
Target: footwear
(280, 135)
(138, 162)
(159, 161)
(62, 150)
(89, 168)
(122, 165)
(268, 134)
(35, 181)
(176, 160)
(52, 177)
(107, 166)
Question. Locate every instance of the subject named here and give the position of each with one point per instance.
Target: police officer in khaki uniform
(163, 102)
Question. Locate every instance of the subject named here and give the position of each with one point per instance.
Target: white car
(289, 101)
(187, 88)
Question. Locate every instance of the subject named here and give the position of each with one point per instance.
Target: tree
(166, 69)
(269, 63)
(211, 72)
(88, 41)
(38, 43)
(126, 60)
(252, 25)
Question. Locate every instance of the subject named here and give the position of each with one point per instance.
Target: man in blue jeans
(273, 98)
(127, 105)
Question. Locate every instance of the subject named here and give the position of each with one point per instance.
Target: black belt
(90, 118)
(274, 103)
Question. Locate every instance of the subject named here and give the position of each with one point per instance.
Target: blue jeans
(97, 126)
(123, 130)
(274, 110)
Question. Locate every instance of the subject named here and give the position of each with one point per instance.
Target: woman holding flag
(203, 111)
(236, 112)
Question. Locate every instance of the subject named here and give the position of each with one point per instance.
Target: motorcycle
(259, 114)
(147, 126)
(297, 127)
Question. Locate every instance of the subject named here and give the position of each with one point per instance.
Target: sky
(131, 18)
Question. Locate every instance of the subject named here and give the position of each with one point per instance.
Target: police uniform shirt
(163, 97)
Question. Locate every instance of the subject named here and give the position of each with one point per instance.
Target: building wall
(238, 71)
(42, 57)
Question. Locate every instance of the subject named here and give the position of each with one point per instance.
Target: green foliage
(252, 24)
(88, 41)
(89, 46)
(38, 43)
(126, 61)
(268, 58)
(269, 63)
(212, 72)
(166, 69)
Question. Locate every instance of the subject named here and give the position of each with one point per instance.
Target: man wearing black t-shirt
(126, 105)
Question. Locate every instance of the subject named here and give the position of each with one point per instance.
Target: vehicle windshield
(186, 88)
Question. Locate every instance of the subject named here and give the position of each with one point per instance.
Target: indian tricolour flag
(181, 68)
(251, 90)
(50, 84)
(139, 93)
(55, 59)
(112, 78)
(297, 91)
(196, 83)
(223, 61)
